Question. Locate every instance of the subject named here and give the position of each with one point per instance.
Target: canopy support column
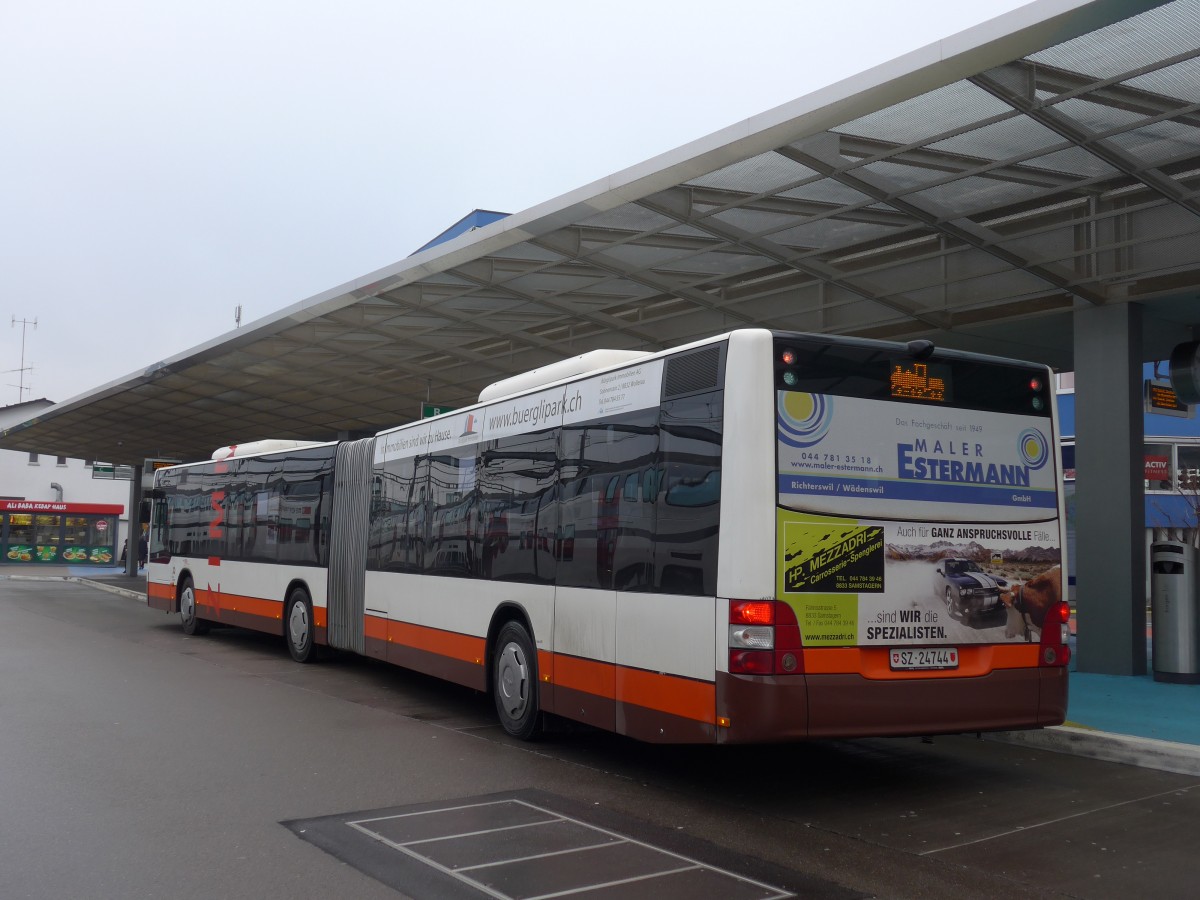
(1110, 557)
(135, 522)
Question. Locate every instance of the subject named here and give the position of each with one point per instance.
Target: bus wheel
(514, 682)
(298, 626)
(191, 623)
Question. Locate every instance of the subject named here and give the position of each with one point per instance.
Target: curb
(111, 588)
(77, 579)
(1147, 753)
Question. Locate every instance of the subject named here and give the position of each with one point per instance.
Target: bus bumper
(763, 709)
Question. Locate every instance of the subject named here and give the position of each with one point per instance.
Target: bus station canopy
(976, 193)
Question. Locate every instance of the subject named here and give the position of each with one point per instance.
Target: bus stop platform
(1130, 719)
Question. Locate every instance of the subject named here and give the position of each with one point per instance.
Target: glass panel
(89, 539)
(76, 539)
(47, 535)
(20, 538)
(689, 496)
(516, 481)
(1189, 469)
(953, 106)
(454, 513)
(397, 537)
(608, 509)
(20, 528)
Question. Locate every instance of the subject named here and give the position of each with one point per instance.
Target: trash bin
(1176, 643)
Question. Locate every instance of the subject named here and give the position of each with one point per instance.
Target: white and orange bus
(762, 536)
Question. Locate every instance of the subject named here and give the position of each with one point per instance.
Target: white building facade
(52, 511)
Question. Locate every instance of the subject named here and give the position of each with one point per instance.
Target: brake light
(764, 638)
(751, 612)
(1056, 636)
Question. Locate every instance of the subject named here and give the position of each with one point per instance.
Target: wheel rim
(949, 600)
(187, 604)
(512, 679)
(298, 626)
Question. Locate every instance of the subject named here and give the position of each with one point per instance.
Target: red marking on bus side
(215, 500)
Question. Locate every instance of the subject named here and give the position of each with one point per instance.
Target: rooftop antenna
(21, 389)
(237, 316)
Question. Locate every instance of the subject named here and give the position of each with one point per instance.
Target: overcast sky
(163, 162)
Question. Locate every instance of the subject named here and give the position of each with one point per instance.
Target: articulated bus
(762, 536)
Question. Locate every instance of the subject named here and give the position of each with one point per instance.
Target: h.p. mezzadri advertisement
(856, 565)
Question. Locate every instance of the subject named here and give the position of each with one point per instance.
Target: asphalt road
(137, 762)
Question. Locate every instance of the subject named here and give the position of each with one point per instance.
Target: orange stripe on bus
(668, 693)
(252, 606)
(585, 675)
(672, 694)
(164, 591)
(872, 662)
(375, 627)
(463, 647)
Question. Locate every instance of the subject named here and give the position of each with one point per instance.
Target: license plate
(925, 658)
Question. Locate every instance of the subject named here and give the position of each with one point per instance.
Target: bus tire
(298, 626)
(515, 682)
(192, 624)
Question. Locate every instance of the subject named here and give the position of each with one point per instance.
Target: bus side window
(689, 507)
(630, 492)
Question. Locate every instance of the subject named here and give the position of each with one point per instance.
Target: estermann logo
(536, 413)
(920, 462)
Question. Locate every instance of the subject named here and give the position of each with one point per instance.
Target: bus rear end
(918, 533)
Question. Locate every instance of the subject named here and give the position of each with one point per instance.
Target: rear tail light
(752, 637)
(751, 612)
(764, 638)
(1056, 636)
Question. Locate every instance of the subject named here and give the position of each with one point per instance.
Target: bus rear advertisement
(762, 536)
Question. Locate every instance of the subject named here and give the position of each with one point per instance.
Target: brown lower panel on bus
(239, 610)
(460, 671)
(581, 706)
(240, 618)
(657, 727)
(847, 705)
